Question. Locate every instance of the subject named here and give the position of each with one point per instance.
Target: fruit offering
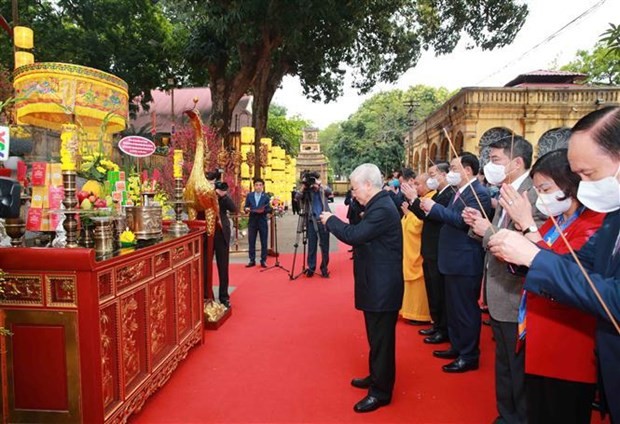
(89, 200)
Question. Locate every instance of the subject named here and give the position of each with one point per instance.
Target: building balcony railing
(474, 99)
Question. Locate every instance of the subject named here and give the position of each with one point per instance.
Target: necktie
(522, 321)
(617, 246)
(456, 197)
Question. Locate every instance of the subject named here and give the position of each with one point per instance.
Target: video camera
(308, 178)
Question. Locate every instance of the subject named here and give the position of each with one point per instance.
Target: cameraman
(314, 197)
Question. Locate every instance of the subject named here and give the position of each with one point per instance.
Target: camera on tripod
(309, 178)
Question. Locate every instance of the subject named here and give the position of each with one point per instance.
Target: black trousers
(322, 239)
(464, 320)
(221, 248)
(436, 292)
(257, 225)
(381, 334)
(551, 400)
(509, 373)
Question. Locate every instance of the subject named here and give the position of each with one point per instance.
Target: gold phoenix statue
(199, 192)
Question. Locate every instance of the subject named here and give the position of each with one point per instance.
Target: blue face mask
(395, 183)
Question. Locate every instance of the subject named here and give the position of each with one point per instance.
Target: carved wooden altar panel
(183, 300)
(133, 338)
(94, 339)
(108, 327)
(162, 331)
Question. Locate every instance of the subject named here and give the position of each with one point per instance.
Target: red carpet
(289, 351)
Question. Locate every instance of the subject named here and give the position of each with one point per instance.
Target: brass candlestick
(15, 228)
(178, 227)
(70, 203)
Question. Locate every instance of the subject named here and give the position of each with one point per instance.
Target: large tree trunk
(228, 88)
(264, 87)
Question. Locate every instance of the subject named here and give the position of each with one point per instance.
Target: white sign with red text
(136, 146)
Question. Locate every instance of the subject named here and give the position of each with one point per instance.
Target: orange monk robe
(415, 302)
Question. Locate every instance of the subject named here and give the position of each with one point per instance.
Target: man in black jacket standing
(221, 240)
(377, 242)
(433, 279)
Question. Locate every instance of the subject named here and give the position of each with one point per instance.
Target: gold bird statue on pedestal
(199, 193)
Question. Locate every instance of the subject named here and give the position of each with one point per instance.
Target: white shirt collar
(517, 183)
(462, 189)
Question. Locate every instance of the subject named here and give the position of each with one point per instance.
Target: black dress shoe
(436, 338)
(427, 331)
(416, 322)
(325, 274)
(263, 265)
(446, 354)
(460, 365)
(250, 265)
(369, 404)
(361, 383)
(225, 303)
(308, 273)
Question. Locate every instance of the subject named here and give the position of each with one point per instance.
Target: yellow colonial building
(541, 106)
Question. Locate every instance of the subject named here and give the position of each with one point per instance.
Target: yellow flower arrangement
(95, 167)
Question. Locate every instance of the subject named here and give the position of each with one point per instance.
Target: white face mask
(602, 195)
(453, 178)
(550, 205)
(494, 173)
(432, 183)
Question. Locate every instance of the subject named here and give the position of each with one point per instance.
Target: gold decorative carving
(182, 299)
(131, 353)
(131, 273)
(136, 401)
(179, 253)
(107, 346)
(22, 289)
(199, 192)
(158, 313)
(61, 290)
(162, 261)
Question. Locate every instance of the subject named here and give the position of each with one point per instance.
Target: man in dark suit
(257, 204)
(461, 261)
(594, 154)
(434, 281)
(221, 240)
(354, 210)
(377, 241)
(510, 161)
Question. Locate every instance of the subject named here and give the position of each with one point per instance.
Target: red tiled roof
(547, 77)
(160, 110)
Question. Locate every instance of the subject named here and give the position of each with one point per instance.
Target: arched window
(458, 143)
(554, 139)
(416, 161)
(433, 155)
(444, 152)
(487, 138)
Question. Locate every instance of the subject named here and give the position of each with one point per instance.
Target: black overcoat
(377, 242)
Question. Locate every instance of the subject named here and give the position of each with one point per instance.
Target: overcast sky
(465, 68)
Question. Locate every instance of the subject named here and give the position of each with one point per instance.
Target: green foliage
(131, 39)
(252, 44)
(611, 37)
(375, 132)
(285, 132)
(602, 65)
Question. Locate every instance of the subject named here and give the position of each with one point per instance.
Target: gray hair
(367, 173)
